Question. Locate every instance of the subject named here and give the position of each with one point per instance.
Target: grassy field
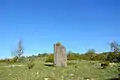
(81, 70)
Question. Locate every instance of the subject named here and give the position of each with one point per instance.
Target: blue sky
(77, 24)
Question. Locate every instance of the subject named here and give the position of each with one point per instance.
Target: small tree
(115, 47)
(112, 57)
(90, 54)
(91, 51)
(19, 50)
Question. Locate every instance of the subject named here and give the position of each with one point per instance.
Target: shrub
(1, 60)
(14, 60)
(50, 58)
(30, 65)
(7, 60)
(72, 58)
(22, 59)
(105, 64)
(70, 63)
(118, 72)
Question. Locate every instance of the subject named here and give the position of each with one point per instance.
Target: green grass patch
(76, 70)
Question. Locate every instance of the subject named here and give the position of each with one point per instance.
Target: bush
(50, 58)
(72, 58)
(118, 72)
(22, 59)
(14, 60)
(7, 60)
(30, 65)
(1, 61)
(104, 65)
(70, 63)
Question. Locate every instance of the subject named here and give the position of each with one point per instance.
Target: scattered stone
(71, 74)
(87, 78)
(14, 66)
(37, 73)
(53, 68)
(46, 78)
(112, 64)
(62, 77)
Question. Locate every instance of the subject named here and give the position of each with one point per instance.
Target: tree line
(112, 56)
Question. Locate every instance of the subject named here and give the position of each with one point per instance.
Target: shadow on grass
(49, 64)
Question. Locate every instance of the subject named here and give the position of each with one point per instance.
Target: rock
(37, 73)
(87, 78)
(46, 78)
(112, 64)
(71, 74)
(60, 57)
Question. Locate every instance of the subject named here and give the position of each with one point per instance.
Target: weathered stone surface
(60, 57)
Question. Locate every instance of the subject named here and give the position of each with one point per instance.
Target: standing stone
(60, 57)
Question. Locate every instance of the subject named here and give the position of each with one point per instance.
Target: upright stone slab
(60, 57)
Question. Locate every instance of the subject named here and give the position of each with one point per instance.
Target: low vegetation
(104, 64)
(39, 71)
(87, 66)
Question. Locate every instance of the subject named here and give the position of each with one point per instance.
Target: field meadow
(76, 70)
